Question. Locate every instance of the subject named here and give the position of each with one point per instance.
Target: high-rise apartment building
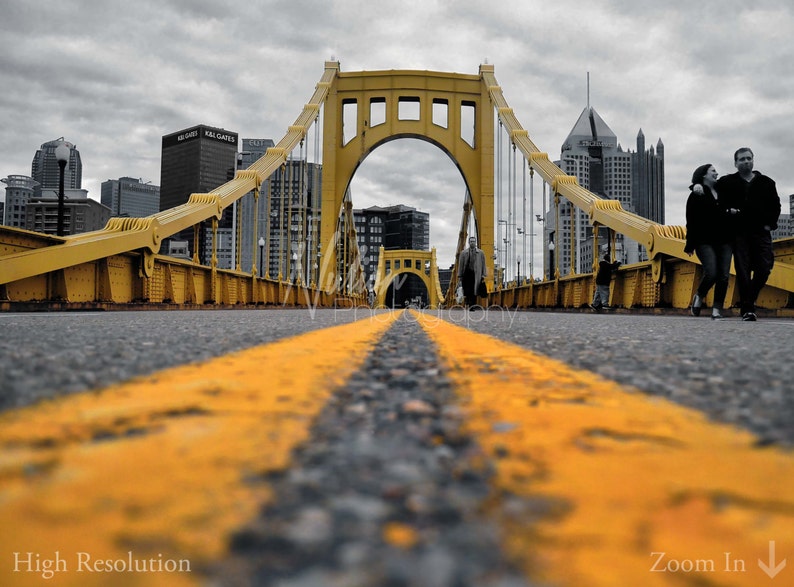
(592, 154)
(394, 228)
(20, 189)
(46, 171)
(196, 160)
(129, 196)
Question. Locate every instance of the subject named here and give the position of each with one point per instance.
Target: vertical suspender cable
(527, 262)
(281, 223)
(514, 230)
(290, 243)
(532, 222)
(302, 248)
(499, 203)
(316, 203)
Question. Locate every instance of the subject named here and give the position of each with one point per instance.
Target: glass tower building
(196, 160)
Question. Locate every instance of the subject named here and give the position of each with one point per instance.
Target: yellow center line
(162, 467)
(635, 490)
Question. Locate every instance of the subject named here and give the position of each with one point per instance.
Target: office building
(46, 171)
(592, 154)
(196, 160)
(20, 189)
(129, 196)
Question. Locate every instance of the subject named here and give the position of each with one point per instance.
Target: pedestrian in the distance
(603, 278)
(471, 271)
(709, 236)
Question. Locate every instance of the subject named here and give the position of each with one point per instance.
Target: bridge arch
(384, 106)
(393, 263)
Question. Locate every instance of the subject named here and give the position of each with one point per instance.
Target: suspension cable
(532, 222)
(303, 211)
(527, 262)
(315, 249)
(281, 223)
(499, 203)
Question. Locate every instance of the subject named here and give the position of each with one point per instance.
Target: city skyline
(107, 86)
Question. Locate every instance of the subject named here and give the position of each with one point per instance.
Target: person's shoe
(749, 317)
(694, 309)
(716, 315)
(596, 308)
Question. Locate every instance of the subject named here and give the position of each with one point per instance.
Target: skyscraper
(129, 196)
(592, 154)
(195, 160)
(46, 172)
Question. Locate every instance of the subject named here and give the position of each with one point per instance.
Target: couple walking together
(732, 216)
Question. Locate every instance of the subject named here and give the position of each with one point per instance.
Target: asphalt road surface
(734, 371)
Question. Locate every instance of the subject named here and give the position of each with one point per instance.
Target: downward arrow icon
(771, 569)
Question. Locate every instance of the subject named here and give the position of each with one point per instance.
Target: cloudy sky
(114, 76)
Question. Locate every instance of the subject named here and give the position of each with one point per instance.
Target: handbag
(459, 294)
(482, 289)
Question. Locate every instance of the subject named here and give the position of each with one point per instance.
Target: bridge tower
(379, 102)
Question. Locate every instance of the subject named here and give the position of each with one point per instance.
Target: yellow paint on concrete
(162, 467)
(634, 490)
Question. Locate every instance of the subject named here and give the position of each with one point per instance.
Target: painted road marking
(636, 490)
(159, 470)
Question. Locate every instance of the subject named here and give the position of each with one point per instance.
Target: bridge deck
(402, 446)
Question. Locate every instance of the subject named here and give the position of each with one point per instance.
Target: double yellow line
(627, 489)
(595, 484)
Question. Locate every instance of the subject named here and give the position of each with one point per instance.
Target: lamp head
(62, 152)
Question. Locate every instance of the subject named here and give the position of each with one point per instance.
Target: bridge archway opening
(417, 173)
(407, 289)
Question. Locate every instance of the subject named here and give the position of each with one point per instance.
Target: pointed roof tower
(590, 128)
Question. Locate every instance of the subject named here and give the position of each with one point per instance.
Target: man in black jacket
(757, 204)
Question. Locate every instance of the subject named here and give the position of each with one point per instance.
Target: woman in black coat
(708, 234)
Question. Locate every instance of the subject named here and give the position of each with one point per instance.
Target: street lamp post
(551, 260)
(518, 274)
(261, 255)
(62, 153)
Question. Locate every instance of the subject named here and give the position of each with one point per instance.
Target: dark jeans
(753, 258)
(469, 287)
(716, 261)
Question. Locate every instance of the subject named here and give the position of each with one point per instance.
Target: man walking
(471, 271)
(754, 201)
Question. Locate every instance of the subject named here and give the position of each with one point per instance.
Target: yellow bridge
(120, 264)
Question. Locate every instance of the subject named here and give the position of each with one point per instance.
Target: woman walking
(708, 234)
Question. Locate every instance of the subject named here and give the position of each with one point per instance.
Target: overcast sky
(114, 76)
